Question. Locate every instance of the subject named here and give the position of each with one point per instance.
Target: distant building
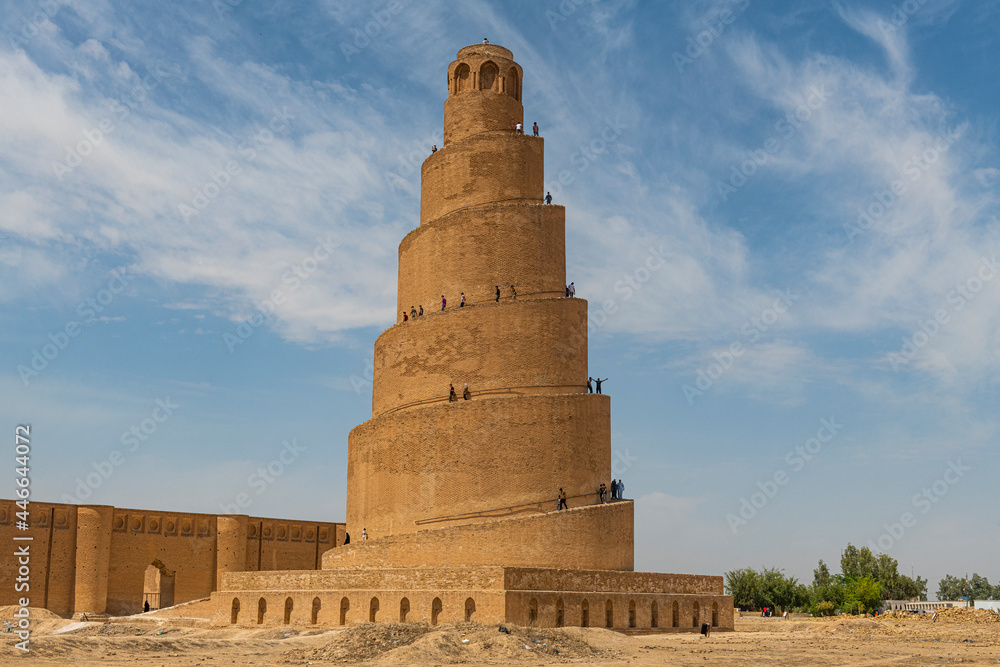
(922, 605)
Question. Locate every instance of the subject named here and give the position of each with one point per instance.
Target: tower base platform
(540, 597)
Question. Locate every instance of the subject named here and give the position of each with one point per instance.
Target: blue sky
(821, 176)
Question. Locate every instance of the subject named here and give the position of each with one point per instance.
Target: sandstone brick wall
(52, 555)
(540, 579)
(467, 115)
(99, 554)
(350, 607)
(523, 347)
(482, 169)
(489, 591)
(474, 250)
(619, 610)
(474, 456)
(584, 537)
(348, 578)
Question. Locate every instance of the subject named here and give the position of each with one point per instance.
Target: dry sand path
(956, 638)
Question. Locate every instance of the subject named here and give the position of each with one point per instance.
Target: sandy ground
(971, 637)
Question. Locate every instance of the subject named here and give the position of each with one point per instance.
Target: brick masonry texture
(93, 558)
(476, 455)
(484, 92)
(531, 597)
(482, 169)
(475, 250)
(492, 347)
(546, 540)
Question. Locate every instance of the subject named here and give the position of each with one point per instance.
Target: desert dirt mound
(37, 613)
(974, 616)
(422, 643)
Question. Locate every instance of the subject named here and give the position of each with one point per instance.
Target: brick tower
(530, 427)
(458, 498)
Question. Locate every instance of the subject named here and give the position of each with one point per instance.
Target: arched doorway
(715, 614)
(609, 614)
(470, 609)
(345, 606)
(234, 615)
(631, 613)
(560, 614)
(654, 615)
(314, 616)
(695, 615)
(157, 586)
(584, 614)
(261, 610)
(677, 615)
(372, 610)
(463, 78)
(404, 609)
(488, 76)
(288, 611)
(435, 610)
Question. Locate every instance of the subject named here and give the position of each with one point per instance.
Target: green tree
(862, 593)
(979, 588)
(742, 585)
(975, 587)
(768, 588)
(821, 575)
(856, 563)
(908, 589)
(951, 588)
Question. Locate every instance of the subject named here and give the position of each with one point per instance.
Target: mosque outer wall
(93, 558)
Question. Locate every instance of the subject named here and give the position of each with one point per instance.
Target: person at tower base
(513, 292)
(498, 294)
(461, 304)
(561, 504)
(452, 396)
(444, 302)
(421, 310)
(466, 394)
(413, 313)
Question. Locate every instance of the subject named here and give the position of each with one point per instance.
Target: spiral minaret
(458, 497)
(530, 427)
